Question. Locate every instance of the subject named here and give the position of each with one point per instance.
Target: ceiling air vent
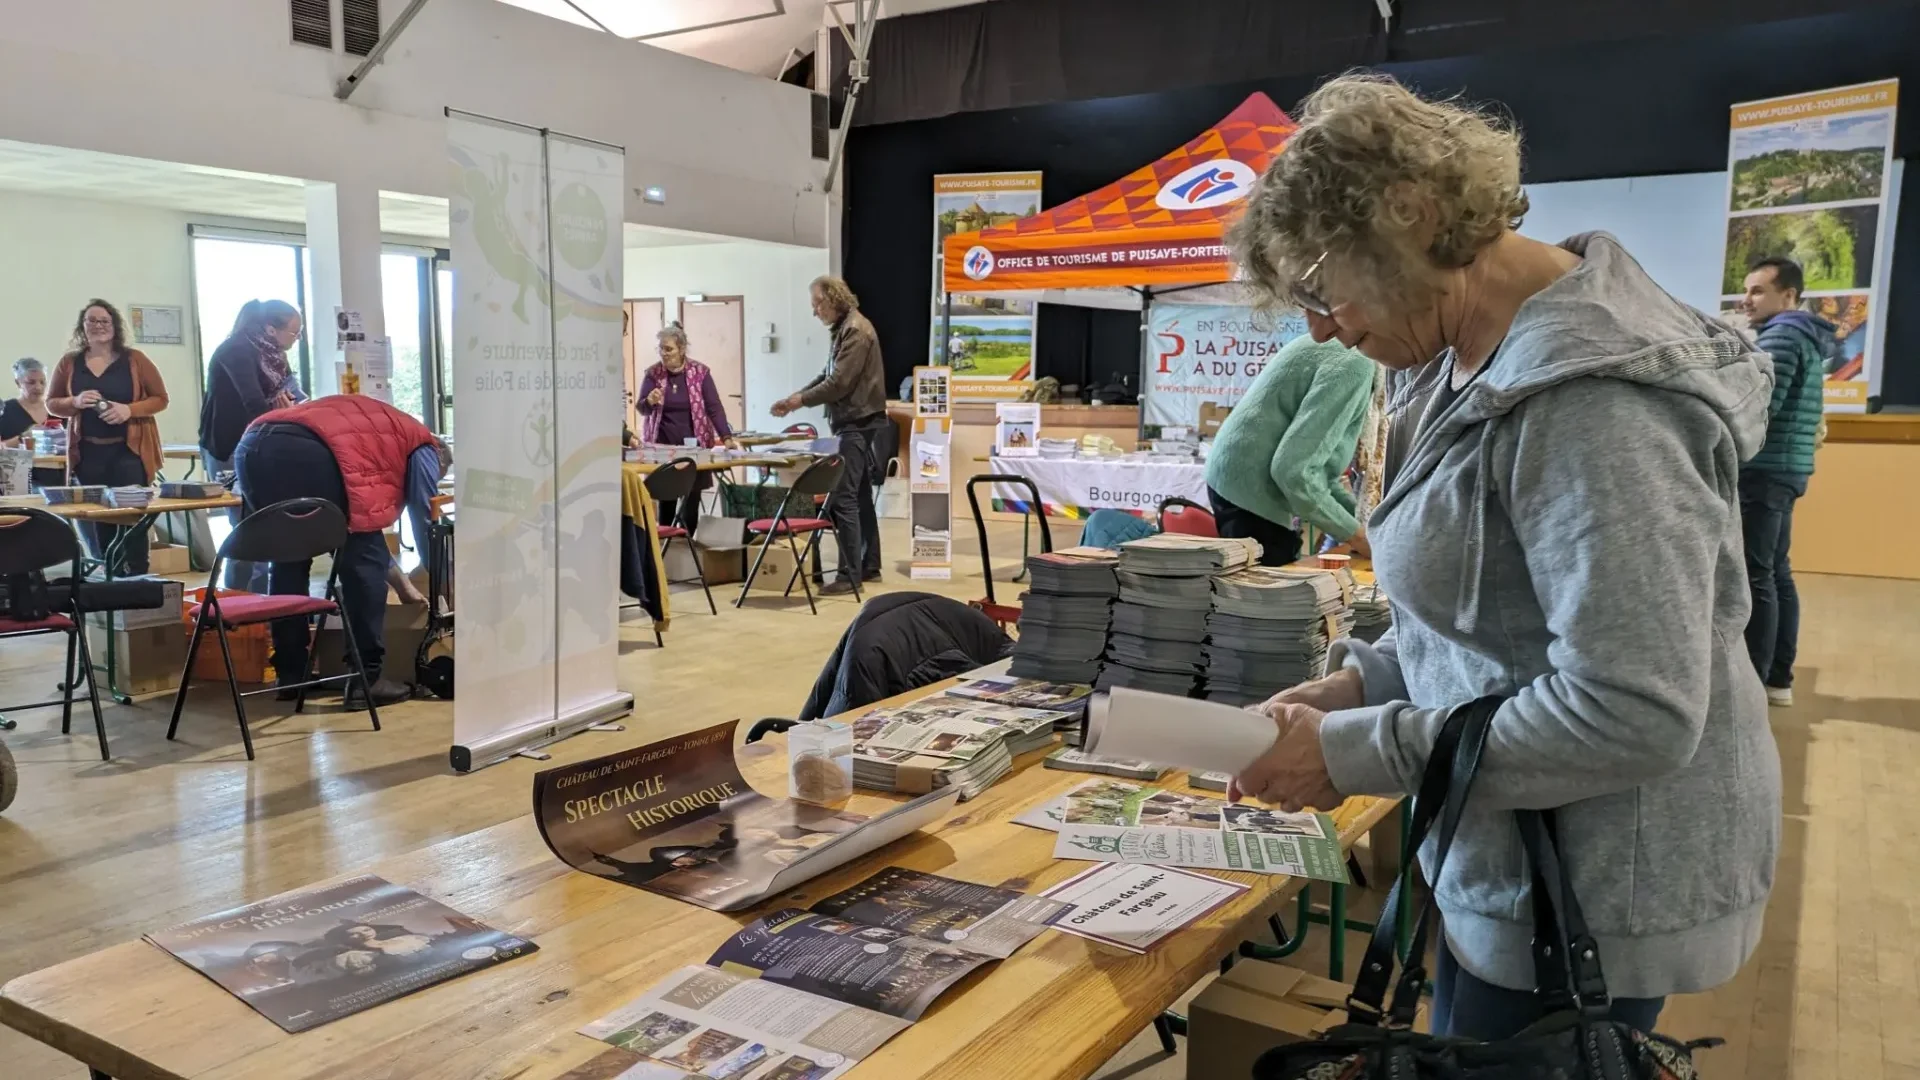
(313, 22)
(360, 24)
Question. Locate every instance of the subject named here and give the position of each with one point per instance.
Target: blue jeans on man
(1766, 518)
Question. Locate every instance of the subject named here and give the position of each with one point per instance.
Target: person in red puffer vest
(354, 452)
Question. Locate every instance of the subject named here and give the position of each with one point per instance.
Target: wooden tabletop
(716, 466)
(1060, 1007)
(184, 451)
(121, 515)
(50, 461)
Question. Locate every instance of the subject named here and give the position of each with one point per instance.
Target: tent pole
(1146, 345)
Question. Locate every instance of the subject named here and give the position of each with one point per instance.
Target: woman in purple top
(678, 401)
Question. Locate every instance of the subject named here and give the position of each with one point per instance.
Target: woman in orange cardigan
(114, 392)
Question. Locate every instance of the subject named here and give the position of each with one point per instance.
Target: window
(405, 300)
(443, 342)
(228, 272)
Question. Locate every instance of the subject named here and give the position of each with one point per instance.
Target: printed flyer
(310, 956)
(676, 817)
(1113, 821)
(1133, 907)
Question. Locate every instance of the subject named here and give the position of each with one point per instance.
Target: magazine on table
(805, 995)
(307, 957)
(1114, 821)
(1025, 693)
(676, 817)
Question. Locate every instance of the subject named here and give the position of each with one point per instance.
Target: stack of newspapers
(1269, 629)
(1068, 700)
(1064, 614)
(1160, 621)
(1074, 760)
(947, 741)
(1372, 615)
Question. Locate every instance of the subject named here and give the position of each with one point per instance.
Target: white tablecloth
(1075, 487)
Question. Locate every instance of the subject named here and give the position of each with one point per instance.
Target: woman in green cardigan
(1281, 452)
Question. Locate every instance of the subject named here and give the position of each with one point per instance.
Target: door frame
(635, 367)
(680, 316)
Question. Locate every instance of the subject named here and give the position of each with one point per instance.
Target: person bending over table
(678, 401)
(114, 392)
(1580, 455)
(247, 377)
(1281, 452)
(853, 388)
(307, 451)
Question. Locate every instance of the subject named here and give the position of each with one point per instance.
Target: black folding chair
(817, 480)
(677, 480)
(294, 530)
(31, 542)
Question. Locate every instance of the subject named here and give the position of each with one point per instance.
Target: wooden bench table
(1060, 1007)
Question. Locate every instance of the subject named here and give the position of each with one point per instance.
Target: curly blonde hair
(1393, 190)
(836, 292)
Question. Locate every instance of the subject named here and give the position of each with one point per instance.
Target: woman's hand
(1358, 545)
(115, 413)
(733, 443)
(1293, 773)
(655, 396)
(1340, 690)
(86, 399)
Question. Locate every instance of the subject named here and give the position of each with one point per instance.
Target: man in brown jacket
(853, 388)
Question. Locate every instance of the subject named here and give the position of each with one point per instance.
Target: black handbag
(1574, 1041)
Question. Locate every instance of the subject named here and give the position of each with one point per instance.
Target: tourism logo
(1207, 184)
(978, 263)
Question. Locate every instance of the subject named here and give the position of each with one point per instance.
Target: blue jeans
(1466, 1006)
(1773, 630)
(240, 574)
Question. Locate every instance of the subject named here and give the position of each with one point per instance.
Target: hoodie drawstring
(1466, 615)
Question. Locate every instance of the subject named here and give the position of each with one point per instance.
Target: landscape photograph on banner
(1833, 245)
(989, 338)
(1840, 159)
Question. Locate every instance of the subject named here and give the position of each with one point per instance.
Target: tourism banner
(1202, 357)
(535, 224)
(1809, 179)
(989, 341)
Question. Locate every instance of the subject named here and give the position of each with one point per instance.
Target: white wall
(1676, 226)
(217, 82)
(59, 253)
(773, 280)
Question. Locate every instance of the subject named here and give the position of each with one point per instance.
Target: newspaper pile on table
(1372, 614)
(1159, 622)
(1072, 759)
(1269, 629)
(1063, 617)
(1067, 699)
(947, 741)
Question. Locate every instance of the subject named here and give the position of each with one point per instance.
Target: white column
(343, 239)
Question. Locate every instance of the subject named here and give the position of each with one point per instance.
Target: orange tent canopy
(1159, 225)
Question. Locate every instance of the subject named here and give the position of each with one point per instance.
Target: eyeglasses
(1305, 295)
(100, 324)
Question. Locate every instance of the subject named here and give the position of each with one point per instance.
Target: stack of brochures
(1269, 630)
(1063, 620)
(1068, 699)
(1074, 760)
(1159, 622)
(1372, 615)
(947, 741)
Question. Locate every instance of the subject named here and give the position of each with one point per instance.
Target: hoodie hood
(1822, 334)
(1607, 318)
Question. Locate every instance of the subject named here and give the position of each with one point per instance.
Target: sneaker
(838, 587)
(1780, 696)
(385, 692)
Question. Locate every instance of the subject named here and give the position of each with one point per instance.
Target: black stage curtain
(1621, 108)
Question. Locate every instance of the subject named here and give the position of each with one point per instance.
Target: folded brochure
(307, 957)
(676, 817)
(1114, 821)
(805, 995)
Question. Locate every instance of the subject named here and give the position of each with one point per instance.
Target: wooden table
(135, 520)
(1060, 1007)
(764, 460)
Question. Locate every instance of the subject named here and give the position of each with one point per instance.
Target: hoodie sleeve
(1319, 443)
(1621, 548)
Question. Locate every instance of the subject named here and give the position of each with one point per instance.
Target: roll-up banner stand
(537, 254)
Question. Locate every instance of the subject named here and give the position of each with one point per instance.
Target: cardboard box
(1255, 1006)
(147, 660)
(723, 566)
(406, 624)
(774, 571)
(169, 559)
(1211, 417)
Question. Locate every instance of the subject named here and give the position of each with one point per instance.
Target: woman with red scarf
(678, 401)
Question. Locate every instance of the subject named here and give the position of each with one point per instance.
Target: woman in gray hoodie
(1564, 532)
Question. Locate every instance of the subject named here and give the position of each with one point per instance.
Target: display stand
(930, 464)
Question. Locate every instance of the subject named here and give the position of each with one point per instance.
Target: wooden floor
(94, 853)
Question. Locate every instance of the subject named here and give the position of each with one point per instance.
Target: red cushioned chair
(819, 479)
(1178, 515)
(802, 428)
(677, 481)
(290, 531)
(33, 540)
